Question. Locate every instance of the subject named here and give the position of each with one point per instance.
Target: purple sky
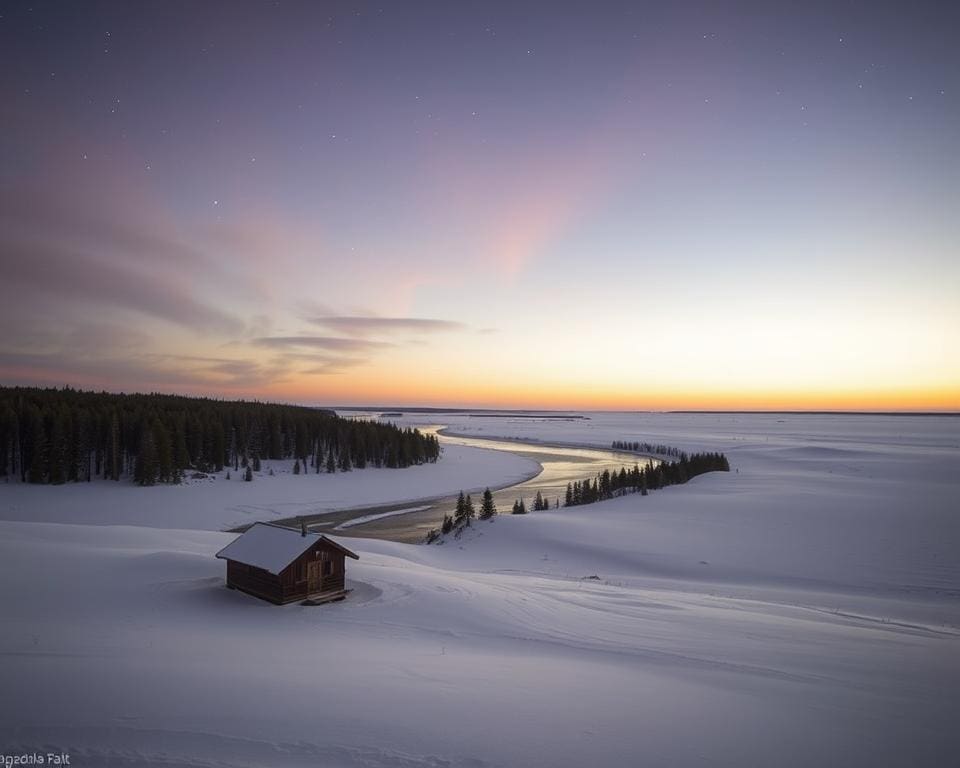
(703, 204)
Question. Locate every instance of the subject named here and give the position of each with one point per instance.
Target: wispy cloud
(140, 372)
(73, 276)
(329, 343)
(367, 325)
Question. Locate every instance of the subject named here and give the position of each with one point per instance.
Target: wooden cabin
(283, 565)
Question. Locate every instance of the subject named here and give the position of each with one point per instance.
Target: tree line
(607, 484)
(638, 447)
(65, 435)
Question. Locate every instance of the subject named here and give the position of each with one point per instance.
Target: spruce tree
(161, 439)
(487, 508)
(145, 472)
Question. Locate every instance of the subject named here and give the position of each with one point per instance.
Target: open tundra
(803, 609)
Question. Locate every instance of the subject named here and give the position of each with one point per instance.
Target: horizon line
(574, 411)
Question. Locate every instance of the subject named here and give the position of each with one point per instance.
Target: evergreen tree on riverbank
(487, 508)
(608, 484)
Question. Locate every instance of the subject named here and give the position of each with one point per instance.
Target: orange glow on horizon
(415, 394)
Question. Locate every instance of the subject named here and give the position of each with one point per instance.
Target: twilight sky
(606, 205)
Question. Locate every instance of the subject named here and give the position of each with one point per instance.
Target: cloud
(365, 325)
(321, 355)
(143, 372)
(119, 230)
(72, 276)
(329, 343)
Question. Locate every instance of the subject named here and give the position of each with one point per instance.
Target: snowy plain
(803, 609)
(217, 503)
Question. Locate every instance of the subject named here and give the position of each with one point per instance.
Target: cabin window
(327, 567)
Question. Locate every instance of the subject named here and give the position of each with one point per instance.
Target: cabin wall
(295, 579)
(255, 581)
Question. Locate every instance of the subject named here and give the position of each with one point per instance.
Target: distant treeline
(642, 479)
(65, 435)
(637, 447)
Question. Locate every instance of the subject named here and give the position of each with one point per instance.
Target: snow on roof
(272, 547)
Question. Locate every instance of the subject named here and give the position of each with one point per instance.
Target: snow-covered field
(217, 503)
(803, 610)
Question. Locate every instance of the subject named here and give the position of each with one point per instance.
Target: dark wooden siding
(294, 578)
(256, 581)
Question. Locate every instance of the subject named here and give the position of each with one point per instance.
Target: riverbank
(557, 466)
(218, 503)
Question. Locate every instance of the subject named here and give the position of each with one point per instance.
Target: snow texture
(803, 609)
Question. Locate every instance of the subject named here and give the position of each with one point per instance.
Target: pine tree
(114, 454)
(57, 456)
(37, 472)
(161, 439)
(487, 508)
(145, 472)
(248, 475)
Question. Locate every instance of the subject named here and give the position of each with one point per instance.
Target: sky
(524, 205)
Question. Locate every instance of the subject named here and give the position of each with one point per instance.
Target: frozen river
(410, 521)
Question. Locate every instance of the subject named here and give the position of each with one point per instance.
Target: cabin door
(313, 576)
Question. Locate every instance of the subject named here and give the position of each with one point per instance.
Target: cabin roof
(273, 547)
